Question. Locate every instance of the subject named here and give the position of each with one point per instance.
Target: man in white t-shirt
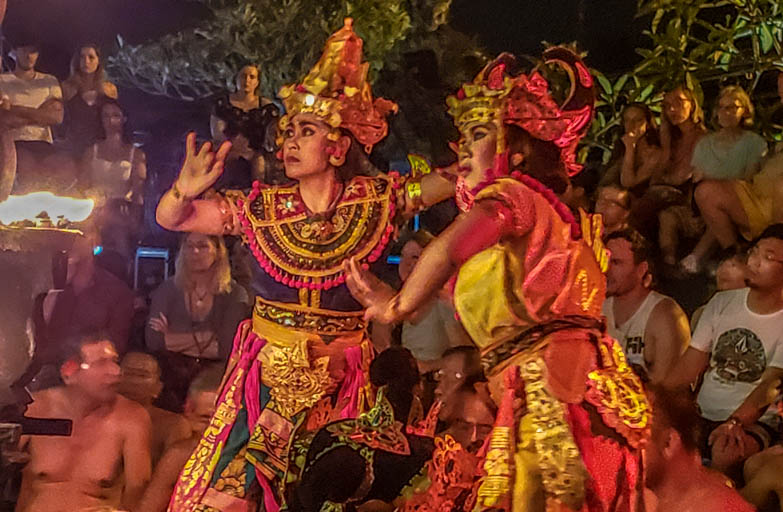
(35, 98)
(739, 342)
(651, 327)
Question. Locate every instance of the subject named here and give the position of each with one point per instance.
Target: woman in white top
(114, 171)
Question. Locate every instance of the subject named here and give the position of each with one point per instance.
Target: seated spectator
(674, 476)
(105, 462)
(457, 366)
(738, 341)
(199, 406)
(93, 300)
(730, 274)
(670, 195)
(470, 419)
(114, 170)
(36, 106)
(249, 121)
(638, 156)
(719, 160)
(141, 383)
(83, 92)
(376, 472)
(614, 205)
(194, 315)
(652, 328)
(436, 329)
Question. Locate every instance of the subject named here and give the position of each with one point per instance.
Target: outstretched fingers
(190, 144)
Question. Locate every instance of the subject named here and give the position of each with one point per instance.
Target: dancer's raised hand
(371, 292)
(201, 168)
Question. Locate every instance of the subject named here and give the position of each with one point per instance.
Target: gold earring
(337, 160)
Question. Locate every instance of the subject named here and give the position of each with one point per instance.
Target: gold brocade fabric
(540, 275)
(296, 359)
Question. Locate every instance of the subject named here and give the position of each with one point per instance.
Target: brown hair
(76, 75)
(744, 99)
(221, 269)
(543, 162)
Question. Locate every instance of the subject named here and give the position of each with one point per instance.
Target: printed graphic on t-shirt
(739, 356)
(634, 345)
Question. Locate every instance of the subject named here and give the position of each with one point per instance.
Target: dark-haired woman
(114, 170)
(302, 359)
(572, 415)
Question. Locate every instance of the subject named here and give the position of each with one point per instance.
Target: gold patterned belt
(529, 338)
(322, 322)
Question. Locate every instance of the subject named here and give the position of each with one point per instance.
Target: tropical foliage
(703, 44)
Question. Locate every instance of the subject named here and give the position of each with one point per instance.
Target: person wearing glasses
(738, 346)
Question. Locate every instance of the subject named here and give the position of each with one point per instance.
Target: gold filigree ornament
(560, 464)
(295, 382)
(592, 233)
(617, 392)
(337, 91)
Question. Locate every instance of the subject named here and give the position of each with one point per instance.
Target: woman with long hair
(83, 92)
(721, 160)
(194, 315)
(529, 291)
(114, 170)
(302, 360)
(248, 120)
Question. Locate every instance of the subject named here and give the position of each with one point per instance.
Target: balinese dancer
(571, 414)
(301, 361)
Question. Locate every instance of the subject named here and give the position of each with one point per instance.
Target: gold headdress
(337, 91)
(525, 101)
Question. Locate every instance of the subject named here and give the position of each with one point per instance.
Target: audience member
(651, 327)
(249, 121)
(719, 160)
(194, 315)
(670, 195)
(457, 366)
(738, 341)
(674, 476)
(93, 300)
(83, 91)
(114, 170)
(730, 274)
(471, 416)
(141, 383)
(614, 205)
(36, 106)
(435, 329)
(638, 156)
(105, 462)
(762, 478)
(199, 406)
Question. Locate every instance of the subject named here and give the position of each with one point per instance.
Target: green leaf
(620, 83)
(606, 85)
(646, 93)
(765, 37)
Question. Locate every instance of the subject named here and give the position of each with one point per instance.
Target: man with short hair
(738, 344)
(199, 406)
(651, 328)
(105, 463)
(675, 478)
(141, 383)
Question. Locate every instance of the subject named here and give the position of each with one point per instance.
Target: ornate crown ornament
(525, 101)
(337, 91)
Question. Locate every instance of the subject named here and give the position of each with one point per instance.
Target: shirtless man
(675, 477)
(106, 460)
(199, 406)
(141, 383)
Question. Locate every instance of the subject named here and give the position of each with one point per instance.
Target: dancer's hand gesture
(371, 292)
(201, 168)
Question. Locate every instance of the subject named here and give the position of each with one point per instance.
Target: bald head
(140, 378)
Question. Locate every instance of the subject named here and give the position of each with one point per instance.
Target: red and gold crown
(337, 91)
(525, 101)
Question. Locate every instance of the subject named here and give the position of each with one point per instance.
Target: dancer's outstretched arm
(469, 234)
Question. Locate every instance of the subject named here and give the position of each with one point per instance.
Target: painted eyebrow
(303, 124)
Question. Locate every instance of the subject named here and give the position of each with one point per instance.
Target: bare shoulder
(667, 308)
(46, 402)
(131, 413)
